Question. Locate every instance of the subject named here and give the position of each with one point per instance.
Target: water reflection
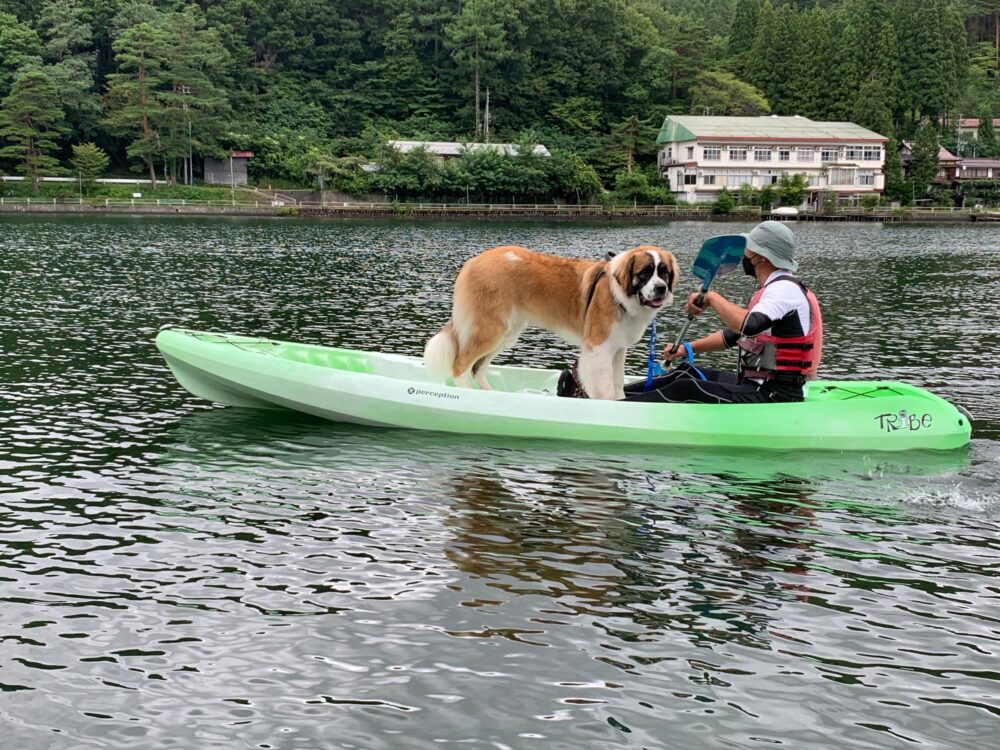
(701, 543)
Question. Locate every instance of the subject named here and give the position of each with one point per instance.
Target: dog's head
(648, 274)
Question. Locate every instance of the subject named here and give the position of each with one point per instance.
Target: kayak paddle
(717, 257)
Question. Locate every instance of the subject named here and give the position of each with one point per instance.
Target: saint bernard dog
(601, 306)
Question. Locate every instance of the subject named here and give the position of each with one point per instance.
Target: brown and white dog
(601, 306)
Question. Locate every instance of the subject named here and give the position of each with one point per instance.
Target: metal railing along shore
(388, 207)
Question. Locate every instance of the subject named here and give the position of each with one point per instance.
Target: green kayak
(391, 390)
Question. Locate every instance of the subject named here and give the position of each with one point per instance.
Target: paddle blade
(718, 256)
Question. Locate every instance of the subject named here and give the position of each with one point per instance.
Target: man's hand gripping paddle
(717, 257)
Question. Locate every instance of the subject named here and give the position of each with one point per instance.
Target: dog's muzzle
(657, 300)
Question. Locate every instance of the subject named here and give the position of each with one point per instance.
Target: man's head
(775, 242)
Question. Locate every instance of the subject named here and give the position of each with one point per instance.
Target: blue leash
(653, 368)
(690, 360)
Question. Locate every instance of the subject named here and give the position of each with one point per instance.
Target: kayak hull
(391, 390)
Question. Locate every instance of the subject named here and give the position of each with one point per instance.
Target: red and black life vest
(769, 355)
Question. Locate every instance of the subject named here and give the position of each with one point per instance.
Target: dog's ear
(625, 278)
(673, 269)
(609, 255)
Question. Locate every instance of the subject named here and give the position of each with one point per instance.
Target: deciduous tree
(722, 94)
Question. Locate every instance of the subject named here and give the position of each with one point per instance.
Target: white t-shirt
(780, 298)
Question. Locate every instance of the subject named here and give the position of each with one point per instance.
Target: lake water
(178, 575)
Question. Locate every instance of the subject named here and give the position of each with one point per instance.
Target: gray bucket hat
(774, 241)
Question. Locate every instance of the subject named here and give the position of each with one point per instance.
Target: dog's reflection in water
(604, 545)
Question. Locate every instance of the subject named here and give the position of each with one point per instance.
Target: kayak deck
(392, 390)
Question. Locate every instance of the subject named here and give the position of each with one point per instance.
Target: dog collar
(593, 288)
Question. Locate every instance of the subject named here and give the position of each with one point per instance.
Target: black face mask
(748, 268)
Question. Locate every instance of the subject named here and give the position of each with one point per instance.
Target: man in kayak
(779, 335)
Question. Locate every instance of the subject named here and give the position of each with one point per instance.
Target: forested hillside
(319, 85)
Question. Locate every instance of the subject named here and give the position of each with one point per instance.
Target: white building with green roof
(702, 155)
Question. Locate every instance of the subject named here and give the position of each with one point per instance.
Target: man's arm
(731, 314)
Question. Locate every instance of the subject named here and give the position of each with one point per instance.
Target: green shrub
(724, 203)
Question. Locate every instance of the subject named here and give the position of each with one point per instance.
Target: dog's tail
(440, 353)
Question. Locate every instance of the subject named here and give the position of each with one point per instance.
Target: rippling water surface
(178, 575)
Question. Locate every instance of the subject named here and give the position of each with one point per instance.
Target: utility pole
(232, 180)
(189, 166)
(486, 118)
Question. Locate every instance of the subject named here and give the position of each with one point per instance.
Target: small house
(231, 171)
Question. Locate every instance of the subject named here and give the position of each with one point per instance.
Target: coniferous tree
(68, 52)
(801, 44)
(193, 101)
(842, 74)
(924, 165)
(986, 134)
(814, 49)
(785, 94)
(89, 162)
(20, 47)
(932, 44)
(870, 108)
(741, 36)
(892, 168)
(31, 120)
(479, 42)
(764, 67)
(135, 94)
(631, 137)
(886, 68)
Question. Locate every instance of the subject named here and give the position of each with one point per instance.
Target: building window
(762, 154)
(784, 154)
(841, 176)
(806, 154)
(873, 153)
(690, 179)
(670, 152)
(866, 178)
(690, 152)
(854, 153)
(713, 153)
(740, 178)
(974, 173)
(708, 179)
(828, 154)
(737, 153)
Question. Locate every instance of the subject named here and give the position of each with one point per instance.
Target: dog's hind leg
(475, 348)
(481, 369)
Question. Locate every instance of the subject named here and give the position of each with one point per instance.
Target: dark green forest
(317, 86)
